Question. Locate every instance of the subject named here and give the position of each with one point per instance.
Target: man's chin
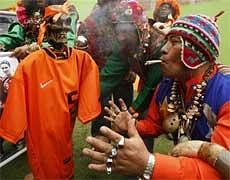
(165, 72)
(163, 66)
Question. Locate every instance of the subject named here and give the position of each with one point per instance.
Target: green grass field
(18, 168)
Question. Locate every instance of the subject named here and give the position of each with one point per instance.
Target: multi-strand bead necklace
(187, 115)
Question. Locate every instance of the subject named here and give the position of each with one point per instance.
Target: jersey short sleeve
(89, 93)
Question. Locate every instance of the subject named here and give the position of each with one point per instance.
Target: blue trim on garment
(216, 95)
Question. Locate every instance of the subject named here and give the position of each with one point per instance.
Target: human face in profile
(171, 65)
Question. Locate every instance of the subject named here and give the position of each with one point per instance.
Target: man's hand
(214, 154)
(21, 52)
(119, 117)
(188, 148)
(131, 158)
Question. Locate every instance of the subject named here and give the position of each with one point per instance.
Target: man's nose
(164, 49)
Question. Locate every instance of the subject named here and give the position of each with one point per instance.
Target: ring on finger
(109, 170)
(113, 152)
(121, 142)
(109, 163)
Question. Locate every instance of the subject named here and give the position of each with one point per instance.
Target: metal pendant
(172, 123)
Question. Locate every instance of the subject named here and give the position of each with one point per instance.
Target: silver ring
(109, 170)
(113, 152)
(109, 163)
(121, 142)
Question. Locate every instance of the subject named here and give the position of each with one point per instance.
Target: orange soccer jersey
(44, 98)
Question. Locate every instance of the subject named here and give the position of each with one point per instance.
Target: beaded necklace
(182, 117)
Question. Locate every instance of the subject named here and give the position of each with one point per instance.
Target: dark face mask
(57, 31)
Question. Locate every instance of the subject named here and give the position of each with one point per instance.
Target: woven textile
(201, 39)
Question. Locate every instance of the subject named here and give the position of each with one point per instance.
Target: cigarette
(152, 62)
